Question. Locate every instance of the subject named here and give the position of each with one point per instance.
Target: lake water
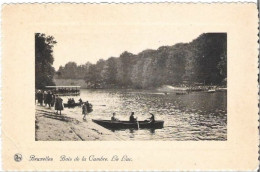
(195, 116)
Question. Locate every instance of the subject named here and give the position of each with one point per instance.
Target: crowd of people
(49, 99)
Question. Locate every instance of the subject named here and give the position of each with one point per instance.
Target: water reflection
(152, 130)
(134, 130)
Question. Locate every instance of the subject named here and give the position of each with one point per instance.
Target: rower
(151, 119)
(80, 101)
(70, 101)
(132, 118)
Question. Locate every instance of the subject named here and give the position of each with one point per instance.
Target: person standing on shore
(53, 99)
(58, 104)
(84, 111)
(49, 99)
(40, 97)
(45, 97)
(89, 107)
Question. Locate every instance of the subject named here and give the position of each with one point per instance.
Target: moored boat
(64, 90)
(71, 105)
(127, 124)
(211, 91)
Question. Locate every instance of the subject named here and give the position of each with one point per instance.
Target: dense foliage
(44, 71)
(204, 60)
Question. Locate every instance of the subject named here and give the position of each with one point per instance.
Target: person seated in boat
(72, 101)
(151, 119)
(132, 117)
(69, 101)
(80, 101)
(113, 118)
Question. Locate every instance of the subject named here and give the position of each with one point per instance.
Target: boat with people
(72, 105)
(64, 90)
(128, 125)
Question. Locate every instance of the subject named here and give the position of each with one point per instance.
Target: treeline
(204, 60)
(44, 71)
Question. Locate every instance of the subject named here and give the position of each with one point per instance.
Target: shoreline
(81, 82)
(50, 126)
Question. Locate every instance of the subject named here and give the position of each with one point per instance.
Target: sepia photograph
(130, 87)
(175, 92)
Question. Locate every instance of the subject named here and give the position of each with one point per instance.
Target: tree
(203, 60)
(92, 76)
(109, 72)
(70, 71)
(124, 69)
(44, 71)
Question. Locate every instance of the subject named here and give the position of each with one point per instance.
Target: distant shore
(50, 126)
(84, 85)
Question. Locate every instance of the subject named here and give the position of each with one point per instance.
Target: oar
(137, 125)
(94, 105)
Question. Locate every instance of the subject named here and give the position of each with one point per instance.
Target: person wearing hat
(49, 99)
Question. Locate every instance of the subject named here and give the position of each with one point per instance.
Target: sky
(110, 42)
(96, 32)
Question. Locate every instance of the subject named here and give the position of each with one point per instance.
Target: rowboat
(71, 105)
(127, 124)
(77, 104)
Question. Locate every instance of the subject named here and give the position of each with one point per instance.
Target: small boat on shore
(127, 124)
(211, 91)
(71, 105)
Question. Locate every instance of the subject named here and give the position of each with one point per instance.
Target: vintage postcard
(156, 86)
